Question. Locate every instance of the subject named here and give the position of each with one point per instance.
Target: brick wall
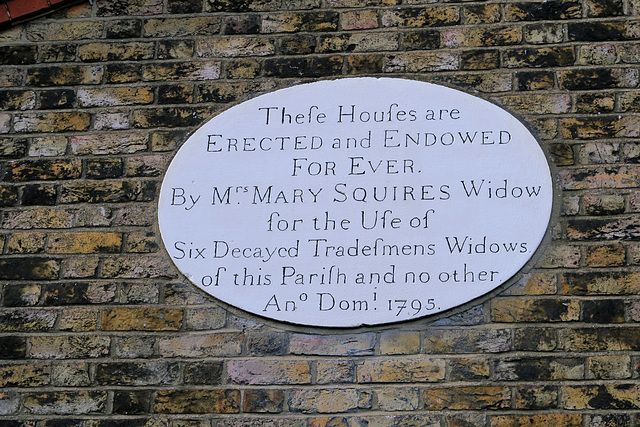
(97, 328)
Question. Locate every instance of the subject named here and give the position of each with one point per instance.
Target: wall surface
(98, 328)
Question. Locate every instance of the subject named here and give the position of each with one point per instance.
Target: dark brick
(597, 31)
(243, 69)
(29, 268)
(11, 148)
(137, 373)
(104, 168)
(39, 194)
(538, 369)
(425, 17)
(299, 44)
(537, 397)
(240, 5)
(21, 295)
(126, 7)
(303, 67)
(480, 60)
(175, 94)
(562, 154)
(539, 57)
(535, 339)
(595, 103)
(8, 196)
(421, 40)
(603, 229)
(184, 6)
(58, 52)
(594, 78)
(64, 75)
(29, 170)
(170, 116)
(123, 73)
(197, 402)
(203, 373)
(59, 98)
(13, 347)
(124, 29)
(263, 401)
(604, 8)
(17, 99)
(18, 55)
(131, 402)
(364, 64)
(603, 311)
(542, 11)
(77, 293)
(535, 80)
(175, 49)
(242, 24)
(267, 343)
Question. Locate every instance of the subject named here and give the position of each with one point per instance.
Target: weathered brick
(49, 146)
(43, 217)
(115, 96)
(558, 256)
(197, 402)
(30, 170)
(65, 402)
(359, 20)
(201, 345)
(595, 103)
(135, 7)
(57, 99)
(78, 319)
(364, 64)
(69, 347)
(206, 318)
(78, 293)
(24, 375)
(609, 366)
(242, 24)
(267, 343)
(467, 398)
(107, 192)
(399, 399)
(61, 121)
(175, 49)
(598, 31)
(26, 243)
(192, 70)
(84, 243)
(468, 369)
(140, 267)
(123, 29)
(300, 21)
(21, 295)
(543, 33)
(562, 154)
(400, 342)
(65, 52)
(466, 340)
(481, 36)
(334, 345)
(142, 319)
(240, 6)
(101, 52)
(17, 99)
(603, 204)
(335, 371)
(235, 46)
(65, 75)
(609, 396)
(536, 397)
(54, 31)
(123, 73)
(485, 82)
(263, 401)
(538, 369)
(401, 369)
(536, 103)
(534, 310)
(485, 59)
(549, 420)
(261, 371)
(169, 27)
(299, 44)
(175, 94)
(326, 401)
(603, 229)
(600, 339)
(131, 347)
(112, 143)
(417, 62)
(600, 283)
(606, 255)
(137, 373)
(421, 16)
(171, 116)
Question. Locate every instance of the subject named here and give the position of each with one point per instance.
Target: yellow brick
(84, 243)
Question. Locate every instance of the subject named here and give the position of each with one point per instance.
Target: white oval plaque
(355, 201)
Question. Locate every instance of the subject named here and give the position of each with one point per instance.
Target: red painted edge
(19, 10)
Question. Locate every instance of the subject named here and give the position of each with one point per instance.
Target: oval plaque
(355, 201)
